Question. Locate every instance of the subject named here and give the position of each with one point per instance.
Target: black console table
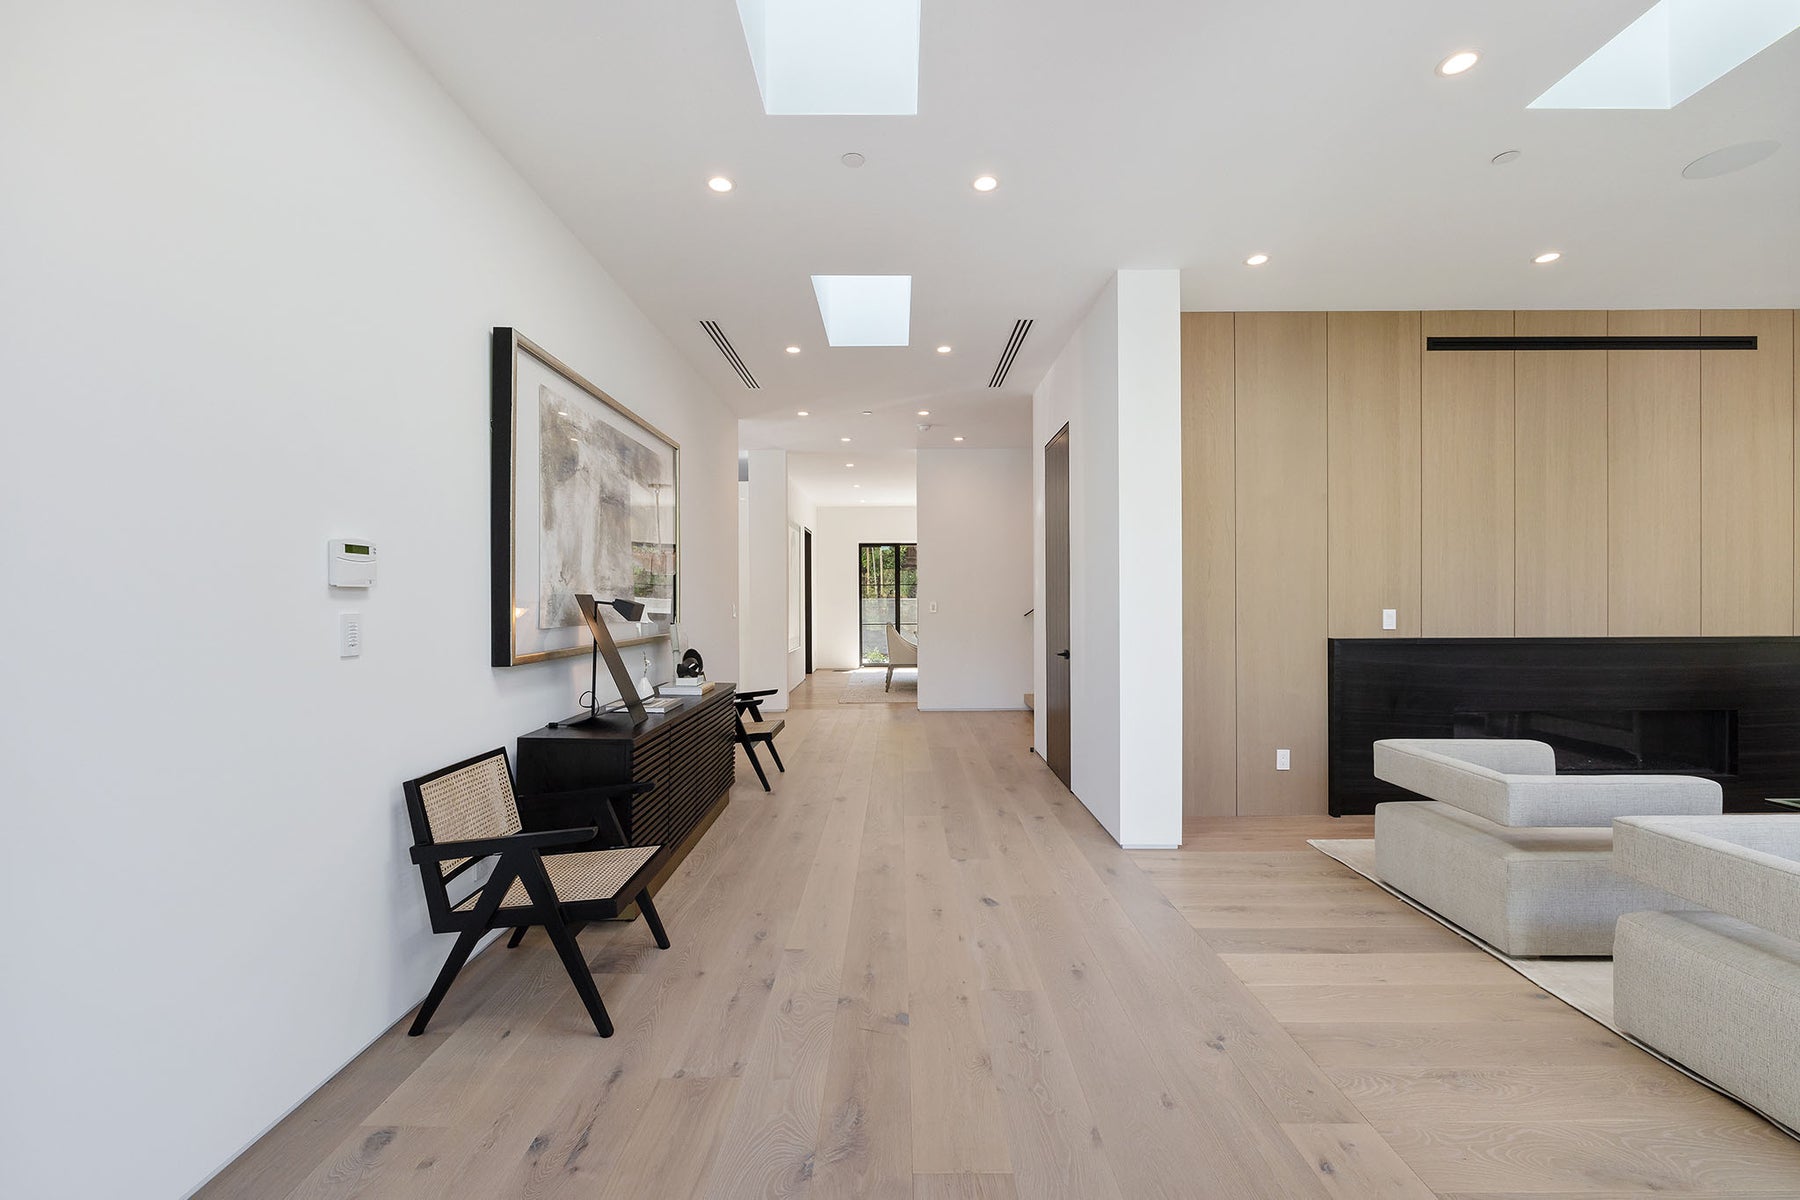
(689, 753)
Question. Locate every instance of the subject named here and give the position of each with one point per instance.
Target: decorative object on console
(1513, 852)
(583, 498)
(605, 647)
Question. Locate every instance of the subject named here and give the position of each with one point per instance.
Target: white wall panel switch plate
(1390, 618)
(1282, 761)
(349, 635)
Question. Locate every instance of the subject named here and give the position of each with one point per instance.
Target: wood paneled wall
(1332, 468)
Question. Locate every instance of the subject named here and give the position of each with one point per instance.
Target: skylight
(865, 310)
(1673, 51)
(834, 57)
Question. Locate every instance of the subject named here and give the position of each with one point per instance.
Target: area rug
(1584, 984)
(865, 686)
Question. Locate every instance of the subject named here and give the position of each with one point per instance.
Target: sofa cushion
(1455, 771)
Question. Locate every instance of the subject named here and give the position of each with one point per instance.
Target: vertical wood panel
(1209, 567)
(1653, 480)
(1560, 507)
(1747, 477)
(1466, 445)
(1372, 389)
(1281, 560)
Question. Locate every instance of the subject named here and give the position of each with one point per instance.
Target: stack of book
(692, 686)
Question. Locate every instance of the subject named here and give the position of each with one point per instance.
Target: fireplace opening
(1600, 741)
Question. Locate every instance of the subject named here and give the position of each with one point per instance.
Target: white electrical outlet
(349, 635)
(1390, 618)
(1282, 761)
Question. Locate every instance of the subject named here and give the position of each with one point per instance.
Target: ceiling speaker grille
(730, 352)
(1019, 330)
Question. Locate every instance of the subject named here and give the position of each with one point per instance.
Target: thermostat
(352, 564)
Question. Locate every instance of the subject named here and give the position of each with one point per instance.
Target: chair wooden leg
(777, 759)
(750, 750)
(512, 943)
(459, 954)
(544, 897)
(652, 919)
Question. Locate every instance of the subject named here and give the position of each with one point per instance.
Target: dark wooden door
(1056, 604)
(808, 630)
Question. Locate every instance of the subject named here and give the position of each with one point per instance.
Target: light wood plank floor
(920, 969)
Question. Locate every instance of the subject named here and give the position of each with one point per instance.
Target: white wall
(763, 629)
(835, 584)
(975, 568)
(1117, 384)
(251, 256)
(804, 513)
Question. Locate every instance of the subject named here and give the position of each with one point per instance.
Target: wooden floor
(920, 969)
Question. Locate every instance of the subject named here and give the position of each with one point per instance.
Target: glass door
(889, 595)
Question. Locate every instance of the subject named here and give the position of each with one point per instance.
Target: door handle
(1062, 654)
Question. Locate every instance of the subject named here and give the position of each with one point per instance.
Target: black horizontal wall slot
(1677, 342)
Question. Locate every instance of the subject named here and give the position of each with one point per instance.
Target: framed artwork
(584, 499)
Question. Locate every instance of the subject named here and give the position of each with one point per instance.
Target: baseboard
(1150, 845)
(968, 708)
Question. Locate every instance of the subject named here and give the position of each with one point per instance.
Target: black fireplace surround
(1722, 708)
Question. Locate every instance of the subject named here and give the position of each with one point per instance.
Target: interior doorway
(1056, 605)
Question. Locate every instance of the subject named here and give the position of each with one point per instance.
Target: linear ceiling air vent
(1619, 342)
(1019, 330)
(730, 352)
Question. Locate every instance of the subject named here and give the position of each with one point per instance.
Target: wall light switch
(933, 606)
(349, 635)
(1390, 618)
(1282, 762)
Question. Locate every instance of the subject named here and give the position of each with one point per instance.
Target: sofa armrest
(1506, 756)
(1746, 867)
(1584, 801)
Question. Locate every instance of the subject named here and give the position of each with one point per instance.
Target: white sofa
(1513, 852)
(1716, 988)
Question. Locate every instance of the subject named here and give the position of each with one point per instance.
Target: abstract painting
(585, 501)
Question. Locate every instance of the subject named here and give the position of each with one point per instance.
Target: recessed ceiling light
(803, 413)
(986, 183)
(843, 439)
(1459, 62)
(860, 500)
(856, 485)
(924, 412)
(943, 349)
(1506, 156)
(957, 439)
(853, 160)
(1256, 260)
(868, 412)
(849, 464)
(793, 349)
(719, 183)
(1548, 256)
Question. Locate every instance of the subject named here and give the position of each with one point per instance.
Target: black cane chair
(467, 814)
(755, 730)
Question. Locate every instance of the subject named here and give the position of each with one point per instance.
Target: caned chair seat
(763, 728)
(589, 875)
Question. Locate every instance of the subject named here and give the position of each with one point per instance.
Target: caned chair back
(472, 799)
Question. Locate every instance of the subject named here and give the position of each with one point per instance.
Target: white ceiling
(882, 479)
(1135, 133)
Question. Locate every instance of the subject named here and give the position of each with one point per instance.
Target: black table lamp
(631, 610)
